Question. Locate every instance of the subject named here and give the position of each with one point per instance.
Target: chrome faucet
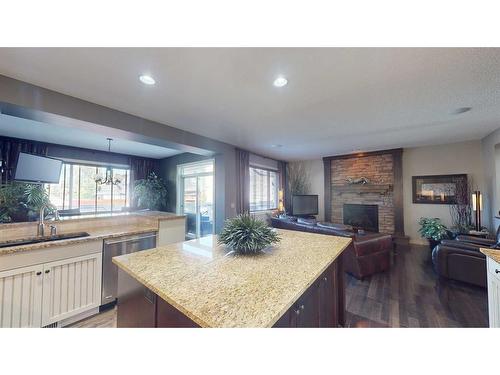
(41, 224)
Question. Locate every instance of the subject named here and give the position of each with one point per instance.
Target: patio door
(196, 187)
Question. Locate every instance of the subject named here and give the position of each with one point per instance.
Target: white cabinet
(171, 231)
(71, 286)
(493, 293)
(39, 295)
(21, 297)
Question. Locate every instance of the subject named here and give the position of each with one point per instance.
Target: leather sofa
(460, 259)
(369, 253)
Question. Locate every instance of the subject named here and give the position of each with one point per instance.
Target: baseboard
(76, 318)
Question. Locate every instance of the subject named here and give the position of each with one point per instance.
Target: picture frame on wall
(436, 189)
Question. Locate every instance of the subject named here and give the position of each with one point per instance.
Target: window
(263, 189)
(77, 189)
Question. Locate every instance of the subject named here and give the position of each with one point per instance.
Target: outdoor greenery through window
(77, 189)
(263, 189)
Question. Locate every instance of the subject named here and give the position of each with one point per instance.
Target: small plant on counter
(151, 192)
(245, 234)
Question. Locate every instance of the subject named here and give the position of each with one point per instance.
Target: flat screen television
(304, 205)
(38, 169)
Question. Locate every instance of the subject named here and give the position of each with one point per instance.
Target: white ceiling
(337, 100)
(17, 127)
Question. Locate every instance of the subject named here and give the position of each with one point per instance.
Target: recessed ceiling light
(280, 82)
(147, 80)
(461, 110)
(277, 146)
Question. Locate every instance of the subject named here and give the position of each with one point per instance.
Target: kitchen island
(296, 283)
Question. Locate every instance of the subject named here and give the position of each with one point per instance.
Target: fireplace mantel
(362, 189)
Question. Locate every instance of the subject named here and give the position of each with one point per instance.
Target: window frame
(268, 170)
(72, 163)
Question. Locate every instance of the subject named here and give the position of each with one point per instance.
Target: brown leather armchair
(461, 260)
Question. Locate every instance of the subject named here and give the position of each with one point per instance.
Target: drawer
(49, 254)
(493, 268)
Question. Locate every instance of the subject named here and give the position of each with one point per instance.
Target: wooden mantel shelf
(362, 189)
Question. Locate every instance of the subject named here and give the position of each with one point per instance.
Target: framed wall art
(438, 189)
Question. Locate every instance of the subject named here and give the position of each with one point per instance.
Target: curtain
(283, 185)
(9, 152)
(242, 181)
(140, 168)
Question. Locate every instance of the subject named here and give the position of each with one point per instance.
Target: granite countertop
(99, 226)
(492, 253)
(156, 215)
(217, 289)
(160, 215)
(95, 234)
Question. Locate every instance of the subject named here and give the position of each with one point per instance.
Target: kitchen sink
(32, 240)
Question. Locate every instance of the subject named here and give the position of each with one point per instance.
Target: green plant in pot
(151, 192)
(245, 234)
(432, 229)
(20, 201)
(36, 197)
(11, 203)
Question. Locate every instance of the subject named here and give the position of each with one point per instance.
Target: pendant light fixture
(108, 179)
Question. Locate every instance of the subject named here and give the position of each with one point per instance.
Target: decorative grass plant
(245, 234)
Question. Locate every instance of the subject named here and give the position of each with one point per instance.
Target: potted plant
(151, 192)
(22, 202)
(246, 234)
(432, 229)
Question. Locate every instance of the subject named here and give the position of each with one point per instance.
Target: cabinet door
(494, 301)
(71, 286)
(307, 308)
(327, 299)
(21, 297)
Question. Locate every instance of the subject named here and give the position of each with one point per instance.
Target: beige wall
(316, 173)
(491, 198)
(463, 157)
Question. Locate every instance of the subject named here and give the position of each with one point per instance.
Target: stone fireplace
(364, 216)
(376, 205)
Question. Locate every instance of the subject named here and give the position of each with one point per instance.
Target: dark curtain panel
(282, 166)
(9, 152)
(242, 181)
(140, 168)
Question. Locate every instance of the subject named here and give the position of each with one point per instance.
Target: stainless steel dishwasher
(119, 246)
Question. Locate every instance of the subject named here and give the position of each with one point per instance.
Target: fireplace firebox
(364, 216)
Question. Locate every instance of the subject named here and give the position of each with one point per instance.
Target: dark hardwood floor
(411, 295)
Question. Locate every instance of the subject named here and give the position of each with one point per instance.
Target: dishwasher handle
(129, 239)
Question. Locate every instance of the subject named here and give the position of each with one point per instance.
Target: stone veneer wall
(379, 170)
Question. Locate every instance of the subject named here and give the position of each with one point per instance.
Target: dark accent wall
(25, 100)
(83, 154)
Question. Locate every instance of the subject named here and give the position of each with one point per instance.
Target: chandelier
(108, 179)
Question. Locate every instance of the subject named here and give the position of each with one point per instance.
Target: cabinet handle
(497, 271)
(47, 271)
(39, 273)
